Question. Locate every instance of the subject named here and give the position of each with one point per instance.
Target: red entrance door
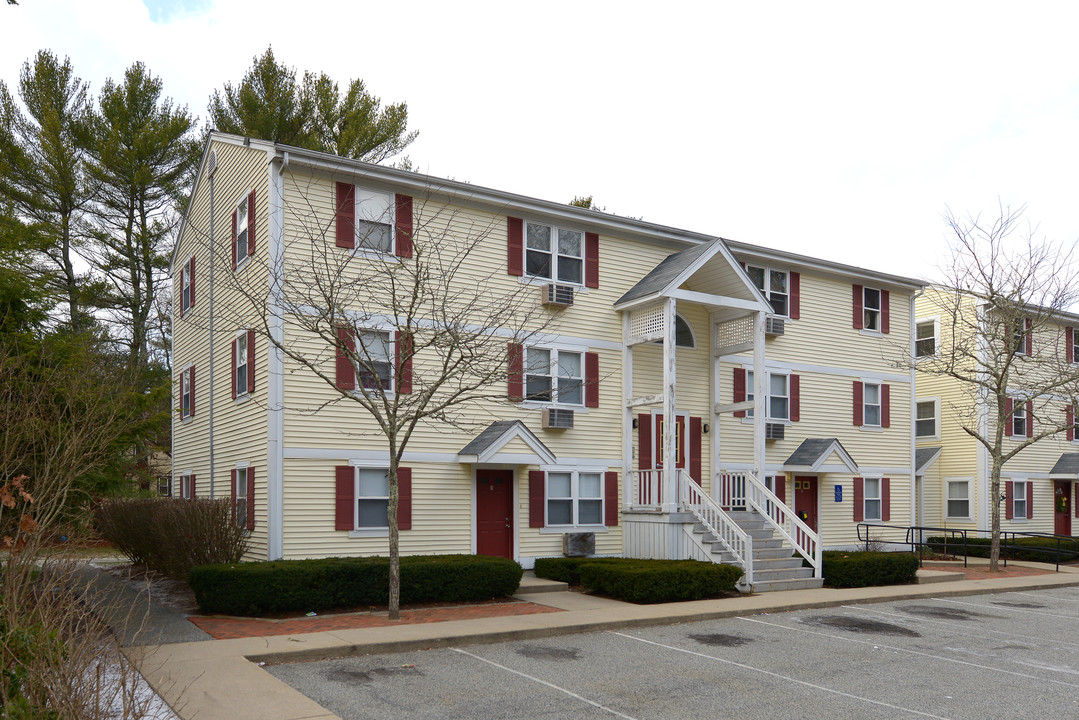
(679, 440)
(805, 500)
(494, 513)
(1062, 505)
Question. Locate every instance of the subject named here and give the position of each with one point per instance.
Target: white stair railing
(644, 489)
(719, 524)
(801, 537)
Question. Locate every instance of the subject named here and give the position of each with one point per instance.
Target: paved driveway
(1013, 655)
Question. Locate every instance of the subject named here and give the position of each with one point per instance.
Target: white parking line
(911, 652)
(1043, 596)
(544, 682)
(1021, 610)
(782, 677)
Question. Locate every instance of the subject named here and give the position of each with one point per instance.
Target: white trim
(801, 368)
(541, 453)
(245, 199)
(709, 300)
(936, 400)
(935, 319)
(412, 458)
(275, 360)
(574, 497)
(944, 483)
(553, 252)
(767, 291)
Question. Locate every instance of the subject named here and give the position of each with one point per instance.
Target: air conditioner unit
(774, 431)
(557, 418)
(557, 295)
(774, 326)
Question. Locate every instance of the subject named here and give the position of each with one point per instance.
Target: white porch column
(760, 385)
(670, 422)
(717, 398)
(628, 479)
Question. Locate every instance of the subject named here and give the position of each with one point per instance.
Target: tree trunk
(395, 550)
(994, 503)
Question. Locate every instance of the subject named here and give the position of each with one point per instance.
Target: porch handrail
(801, 537)
(718, 523)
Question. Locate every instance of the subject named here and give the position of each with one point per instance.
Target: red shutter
(403, 227)
(1030, 500)
(191, 277)
(644, 441)
(695, 443)
(858, 404)
(194, 494)
(859, 315)
(859, 499)
(781, 488)
(1028, 338)
(885, 499)
(1008, 424)
(250, 361)
(250, 498)
(610, 499)
(885, 311)
(191, 390)
(536, 496)
(591, 378)
(1030, 418)
(404, 498)
(1069, 420)
(233, 243)
(885, 405)
(516, 247)
(345, 498)
(1076, 503)
(740, 389)
(795, 310)
(516, 355)
(403, 346)
(591, 260)
(1009, 511)
(251, 224)
(796, 398)
(232, 367)
(346, 215)
(1069, 345)
(346, 375)
(232, 493)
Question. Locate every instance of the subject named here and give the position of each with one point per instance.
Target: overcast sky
(838, 130)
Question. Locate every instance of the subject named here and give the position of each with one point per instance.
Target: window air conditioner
(774, 431)
(557, 418)
(773, 326)
(557, 295)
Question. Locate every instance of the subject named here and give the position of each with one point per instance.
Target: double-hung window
(1074, 337)
(375, 360)
(240, 509)
(1019, 499)
(925, 342)
(871, 404)
(554, 253)
(574, 498)
(187, 486)
(242, 365)
(1019, 419)
(554, 376)
(925, 424)
(374, 220)
(372, 498)
(186, 282)
(777, 402)
(774, 285)
(958, 499)
(871, 309)
(873, 502)
(187, 392)
(242, 223)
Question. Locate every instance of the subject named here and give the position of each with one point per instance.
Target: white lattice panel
(647, 322)
(734, 332)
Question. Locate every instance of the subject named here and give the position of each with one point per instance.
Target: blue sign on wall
(839, 493)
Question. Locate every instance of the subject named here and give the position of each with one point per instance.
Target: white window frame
(935, 320)
(936, 418)
(750, 396)
(185, 384)
(186, 486)
(574, 498)
(1075, 345)
(556, 379)
(241, 229)
(866, 405)
(368, 530)
(186, 282)
(553, 253)
(391, 360)
(240, 484)
(968, 483)
(767, 291)
(878, 310)
(241, 388)
(1019, 497)
(362, 199)
(867, 498)
(1019, 412)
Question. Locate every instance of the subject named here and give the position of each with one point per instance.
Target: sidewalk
(221, 678)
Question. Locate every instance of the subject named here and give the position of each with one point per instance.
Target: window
(187, 486)
(574, 498)
(1073, 338)
(777, 403)
(187, 281)
(925, 424)
(1019, 419)
(925, 342)
(1019, 499)
(554, 376)
(374, 220)
(241, 230)
(871, 309)
(373, 350)
(871, 404)
(773, 284)
(239, 512)
(242, 366)
(1019, 340)
(683, 334)
(187, 392)
(872, 499)
(554, 253)
(958, 499)
(372, 498)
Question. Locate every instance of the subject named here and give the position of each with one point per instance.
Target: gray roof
(924, 457)
(1068, 464)
(488, 437)
(664, 274)
(497, 434)
(813, 450)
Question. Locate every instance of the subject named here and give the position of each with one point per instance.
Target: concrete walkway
(222, 678)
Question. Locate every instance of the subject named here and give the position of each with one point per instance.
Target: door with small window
(1062, 507)
(805, 500)
(494, 513)
(679, 440)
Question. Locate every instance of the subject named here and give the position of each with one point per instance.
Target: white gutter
(275, 389)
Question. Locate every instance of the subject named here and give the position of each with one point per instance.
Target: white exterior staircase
(775, 565)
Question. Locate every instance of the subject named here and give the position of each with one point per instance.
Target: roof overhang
(486, 447)
(813, 452)
(1067, 467)
(924, 458)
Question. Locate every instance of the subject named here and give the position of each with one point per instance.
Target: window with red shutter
(345, 222)
(536, 497)
(591, 260)
(515, 247)
(610, 499)
(345, 497)
(796, 295)
(796, 397)
(859, 499)
(404, 498)
(695, 442)
(516, 371)
(346, 344)
(858, 317)
(591, 379)
(403, 226)
(858, 403)
(739, 389)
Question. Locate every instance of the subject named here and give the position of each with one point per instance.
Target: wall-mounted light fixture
(707, 428)
(635, 423)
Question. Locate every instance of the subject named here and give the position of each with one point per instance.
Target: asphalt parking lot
(1010, 655)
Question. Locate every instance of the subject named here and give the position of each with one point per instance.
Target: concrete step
(758, 553)
(776, 563)
(766, 575)
(810, 583)
(530, 585)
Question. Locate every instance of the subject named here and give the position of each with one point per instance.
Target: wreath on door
(1062, 503)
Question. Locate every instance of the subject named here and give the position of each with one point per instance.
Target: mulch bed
(981, 572)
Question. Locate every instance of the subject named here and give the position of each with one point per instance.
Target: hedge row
(259, 588)
(1019, 549)
(642, 581)
(866, 568)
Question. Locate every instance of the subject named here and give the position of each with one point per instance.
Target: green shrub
(172, 536)
(566, 569)
(642, 581)
(865, 568)
(1034, 549)
(260, 588)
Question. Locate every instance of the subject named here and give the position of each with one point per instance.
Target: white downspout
(916, 516)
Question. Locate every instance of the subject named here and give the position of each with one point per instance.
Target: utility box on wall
(578, 544)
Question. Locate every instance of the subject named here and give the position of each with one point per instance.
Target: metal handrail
(717, 522)
(801, 537)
